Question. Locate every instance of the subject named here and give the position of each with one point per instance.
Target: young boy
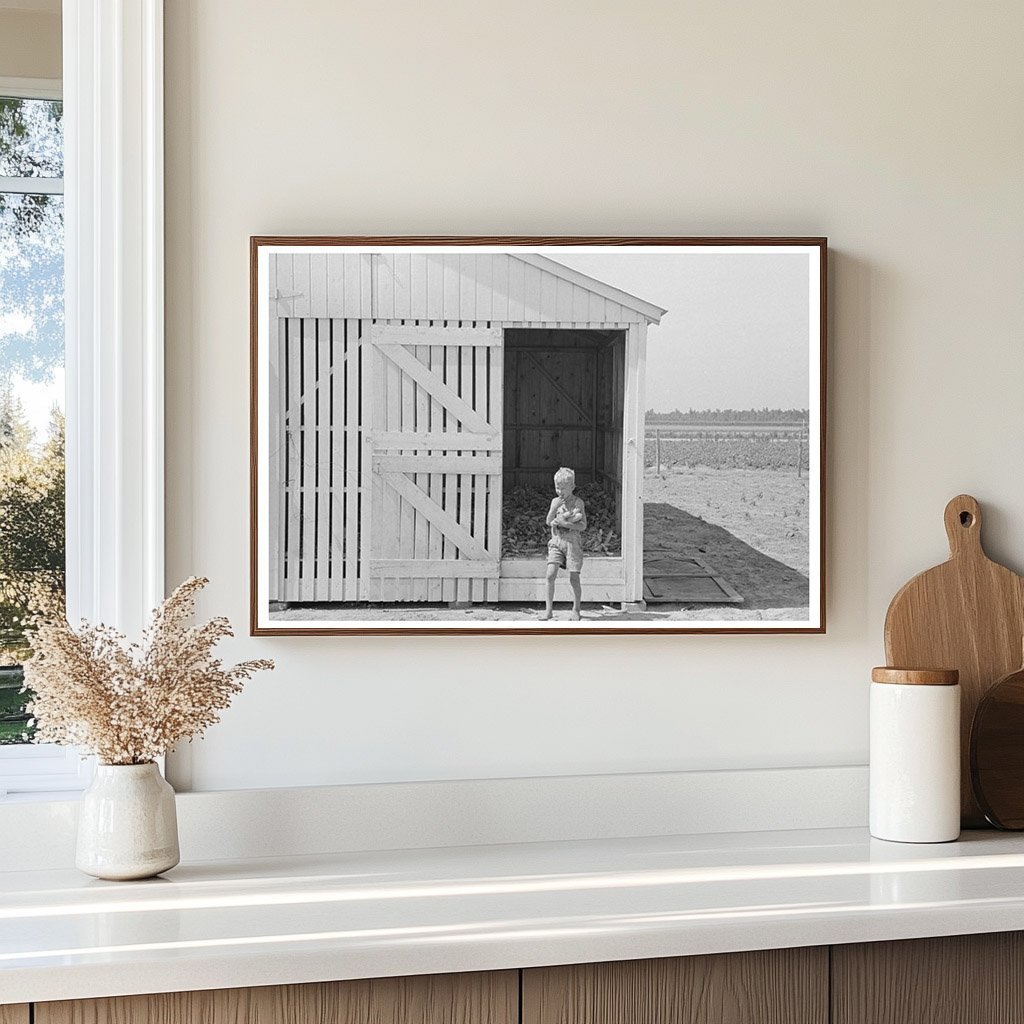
(567, 518)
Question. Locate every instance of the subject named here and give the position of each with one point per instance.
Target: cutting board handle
(963, 526)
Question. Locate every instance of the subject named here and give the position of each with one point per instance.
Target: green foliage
(31, 524)
(31, 548)
(14, 720)
(31, 138)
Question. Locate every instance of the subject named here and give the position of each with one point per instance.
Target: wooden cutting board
(967, 614)
(997, 752)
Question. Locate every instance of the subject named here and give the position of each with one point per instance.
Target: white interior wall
(29, 42)
(894, 129)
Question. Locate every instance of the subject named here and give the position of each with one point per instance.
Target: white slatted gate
(315, 497)
(389, 463)
(430, 528)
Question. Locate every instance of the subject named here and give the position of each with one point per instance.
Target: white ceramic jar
(127, 823)
(915, 755)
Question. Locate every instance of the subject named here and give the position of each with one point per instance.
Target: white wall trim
(38, 768)
(43, 768)
(114, 327)
(31, 88)
(244, 824)
(113, 86)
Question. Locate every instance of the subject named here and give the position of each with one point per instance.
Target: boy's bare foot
(545, 616)
(575, 615)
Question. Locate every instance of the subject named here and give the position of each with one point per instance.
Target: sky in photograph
(736, 331)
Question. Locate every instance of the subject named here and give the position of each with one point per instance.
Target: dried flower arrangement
(129, 704)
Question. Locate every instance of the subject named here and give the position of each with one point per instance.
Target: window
(113, 333)
(31, 382)
(32, 532)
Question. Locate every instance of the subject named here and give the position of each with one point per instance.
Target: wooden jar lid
(916, 676)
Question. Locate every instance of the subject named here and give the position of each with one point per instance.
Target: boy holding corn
(567, 518)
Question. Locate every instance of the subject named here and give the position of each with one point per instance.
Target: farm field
(716, 449)
(749, 525)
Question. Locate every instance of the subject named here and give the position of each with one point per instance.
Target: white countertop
(225, 924)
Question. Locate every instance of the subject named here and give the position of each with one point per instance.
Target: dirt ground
(766, 509)
(749, 526)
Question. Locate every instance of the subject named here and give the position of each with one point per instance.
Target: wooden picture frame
(411, 398)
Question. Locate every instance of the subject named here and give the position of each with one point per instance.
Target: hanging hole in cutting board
(966, 519)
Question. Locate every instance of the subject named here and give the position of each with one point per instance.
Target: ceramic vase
(127, 825)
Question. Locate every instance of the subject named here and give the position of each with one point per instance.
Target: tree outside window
(31, 386)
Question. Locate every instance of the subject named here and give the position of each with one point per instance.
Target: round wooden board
(997, 752)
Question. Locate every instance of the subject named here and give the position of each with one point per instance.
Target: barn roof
(519, 288)
(649, 311)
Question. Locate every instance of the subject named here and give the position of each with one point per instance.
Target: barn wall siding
(432, 530)
(328, 546)
(315, 459)
(423, 286)
(331, 547)
(611, 411)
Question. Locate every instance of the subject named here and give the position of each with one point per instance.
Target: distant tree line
(710, 416)
(31, 524)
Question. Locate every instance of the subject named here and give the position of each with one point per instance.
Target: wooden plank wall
(551, 407)
(399, 530)
(315, 462)
(613, 377)
(436, 286)
(633, 462)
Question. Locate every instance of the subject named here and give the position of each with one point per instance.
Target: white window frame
(38, 768)
(114, 326)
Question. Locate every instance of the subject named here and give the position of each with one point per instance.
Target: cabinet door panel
(962, 979)
(14, 1014)
(778, 986)
(490, 998)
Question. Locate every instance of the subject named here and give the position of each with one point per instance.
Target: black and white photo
(494, 435)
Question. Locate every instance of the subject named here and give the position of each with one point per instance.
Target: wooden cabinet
(963, 979)
(777, 986)
(491, 998)
(972, 979)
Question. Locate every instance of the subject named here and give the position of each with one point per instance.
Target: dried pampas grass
(130, 703)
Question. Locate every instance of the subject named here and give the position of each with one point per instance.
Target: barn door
(432, 415)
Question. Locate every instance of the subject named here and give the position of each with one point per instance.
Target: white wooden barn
(409, 388)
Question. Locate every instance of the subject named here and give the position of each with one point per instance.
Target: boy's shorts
(565, 554)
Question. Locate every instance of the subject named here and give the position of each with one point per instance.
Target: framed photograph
(537, 435)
